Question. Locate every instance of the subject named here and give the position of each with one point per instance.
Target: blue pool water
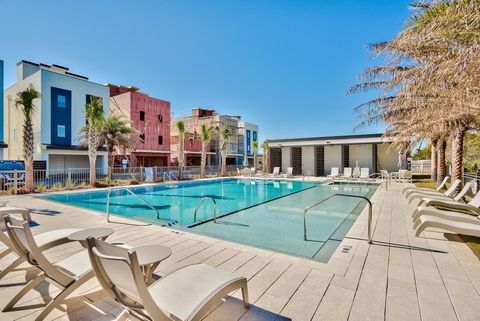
(267, 214)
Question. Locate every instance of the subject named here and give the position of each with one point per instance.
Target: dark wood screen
(375, 158)
(297, 160)
(275, 158)
(345, 155)
(319, 161)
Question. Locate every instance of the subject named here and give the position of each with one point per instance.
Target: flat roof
(330, 140)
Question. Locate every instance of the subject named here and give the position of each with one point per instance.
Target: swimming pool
(262, 213)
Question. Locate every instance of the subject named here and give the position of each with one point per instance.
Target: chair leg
(30, 285)
(11, 267)
(63, 295)
(5, 253)
(245, 295)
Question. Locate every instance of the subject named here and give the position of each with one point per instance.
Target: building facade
(317, 155)
(2, 140)
(236, 145)
(250, 134)
(151, 118)
(58, 117)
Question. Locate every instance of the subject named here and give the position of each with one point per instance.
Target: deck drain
(346, 248)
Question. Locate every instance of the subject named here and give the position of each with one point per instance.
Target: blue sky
(285, 65)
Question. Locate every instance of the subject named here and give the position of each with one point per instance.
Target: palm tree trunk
(224, 162)
(457, 154)
(255, 161)
(434, 159)
(28, 150)
(265, 162)
(441, 165)
(203, 161)
(92, 154)
(181, 157)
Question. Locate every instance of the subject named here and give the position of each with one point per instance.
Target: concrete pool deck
(398, 277)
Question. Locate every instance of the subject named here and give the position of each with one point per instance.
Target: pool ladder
(305, 212)
(200, 204)
(132, 193)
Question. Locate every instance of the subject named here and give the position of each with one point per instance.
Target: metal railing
(132, 193)
(305, 212)
(200, 204)
(169, 176)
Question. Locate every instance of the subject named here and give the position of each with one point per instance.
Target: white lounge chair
(289, 172)
(185, 294)
(364, 173)
(276, 172)
(449, 225)
(472, 206)
(347, 172)
(449, 193)
(421, 189)
(68, 274)
(334, 172)
(427, 201)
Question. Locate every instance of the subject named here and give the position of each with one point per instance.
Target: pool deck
(399, 277)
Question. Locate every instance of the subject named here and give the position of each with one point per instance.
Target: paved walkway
(399, 277)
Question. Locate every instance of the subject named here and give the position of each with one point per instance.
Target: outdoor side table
(100, 233)
(149, 257)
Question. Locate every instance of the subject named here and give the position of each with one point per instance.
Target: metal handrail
(200, 204)
(171, 175)
(342, 195)
(132, 193)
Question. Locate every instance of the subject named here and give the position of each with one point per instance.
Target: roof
(330, 140)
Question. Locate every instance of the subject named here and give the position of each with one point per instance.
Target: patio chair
(334, 172)
(449, 193)
(184, 294)
(68, 274)
(276, 172)
(406, 176)
(449, 225)
(289, 172)
(420, 189)
(426, 201)
(472, 206)
(347, 172)
(364, 173)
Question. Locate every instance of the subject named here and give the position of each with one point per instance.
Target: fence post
(15, 181)
(69, 175)
(141, 174)
(154, 174)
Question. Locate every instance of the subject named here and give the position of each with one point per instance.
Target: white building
(317, 155)
(58, 117)
(2, 143)
(250, 135)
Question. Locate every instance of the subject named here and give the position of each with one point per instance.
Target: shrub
(70, 184)
(57, 187)
(40, 188)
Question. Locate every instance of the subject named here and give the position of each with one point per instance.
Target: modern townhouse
(151, 118)
(237, 144)
(58, 117)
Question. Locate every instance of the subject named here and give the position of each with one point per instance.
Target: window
(160, 118)
(254, 136)
(142, 138)
(60, 130)
(142, 115)
(61, 101)
(160, 140)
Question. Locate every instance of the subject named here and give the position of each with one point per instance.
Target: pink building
(151, 118)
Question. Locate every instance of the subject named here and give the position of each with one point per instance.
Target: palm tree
(255, 150)
(92, 133)
(224, 136)
(205, 137)
(115, 133)
(24, 101)
(266, 160)
(428, 83)
(181, 147)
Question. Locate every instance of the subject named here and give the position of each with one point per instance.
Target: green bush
(57, 187)
(40, 188)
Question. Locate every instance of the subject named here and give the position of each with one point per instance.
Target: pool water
(262, 213)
